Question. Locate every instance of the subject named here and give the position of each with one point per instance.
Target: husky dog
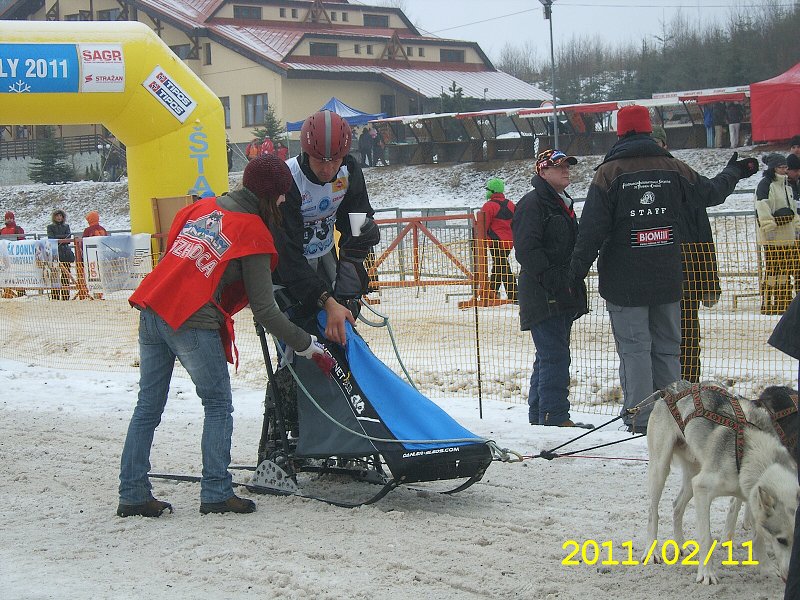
(697, 424)
(781, 404)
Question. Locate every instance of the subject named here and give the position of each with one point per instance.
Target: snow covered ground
(62, 433)
(503, 538)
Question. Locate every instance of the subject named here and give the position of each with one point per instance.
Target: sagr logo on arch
(101, 55)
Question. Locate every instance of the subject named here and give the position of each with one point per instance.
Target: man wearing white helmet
(328, 185)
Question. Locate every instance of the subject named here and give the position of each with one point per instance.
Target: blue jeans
(709, 136)
(547, 397)
(201, 354)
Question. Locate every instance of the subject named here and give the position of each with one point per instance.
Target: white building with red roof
(294, 55)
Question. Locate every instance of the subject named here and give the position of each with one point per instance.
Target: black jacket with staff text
(632, 218)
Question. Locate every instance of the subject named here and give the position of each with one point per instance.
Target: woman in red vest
(220, 254)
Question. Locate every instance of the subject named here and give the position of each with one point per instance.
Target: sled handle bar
(384, 322)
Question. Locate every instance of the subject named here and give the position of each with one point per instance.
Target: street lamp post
(104, 151)
(548, 15)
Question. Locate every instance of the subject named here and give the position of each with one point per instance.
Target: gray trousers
(648, 340)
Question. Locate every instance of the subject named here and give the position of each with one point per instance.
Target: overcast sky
(493, 23)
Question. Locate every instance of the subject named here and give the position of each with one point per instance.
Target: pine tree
(273, 128)
(453, 102)
(50, 164)
(93, 173)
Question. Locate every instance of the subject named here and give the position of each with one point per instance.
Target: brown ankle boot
(233, 504)
(151, 508)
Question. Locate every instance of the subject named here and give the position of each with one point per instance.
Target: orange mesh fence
(456, 333)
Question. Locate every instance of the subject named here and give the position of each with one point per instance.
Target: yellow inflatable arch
(122, 75)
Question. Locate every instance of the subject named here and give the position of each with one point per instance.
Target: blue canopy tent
(353, 116)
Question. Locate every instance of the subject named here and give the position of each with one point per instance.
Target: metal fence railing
(450, 347)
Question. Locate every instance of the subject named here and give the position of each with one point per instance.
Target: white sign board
(169, 94)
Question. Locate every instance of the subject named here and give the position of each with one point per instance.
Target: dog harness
(778, 415)
(738, 423)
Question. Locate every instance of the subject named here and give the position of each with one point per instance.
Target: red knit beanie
(267, 177)
(633, 119)
(9, 217)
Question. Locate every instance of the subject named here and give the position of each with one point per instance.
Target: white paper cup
(357, 221)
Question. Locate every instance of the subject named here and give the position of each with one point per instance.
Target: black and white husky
(781, 404)
(726, 446)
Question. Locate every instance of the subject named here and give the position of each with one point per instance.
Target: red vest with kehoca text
(202, 239)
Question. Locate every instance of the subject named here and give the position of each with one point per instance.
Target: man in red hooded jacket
(499, 211)
(94, 228)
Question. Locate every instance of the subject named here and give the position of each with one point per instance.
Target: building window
(376, 21)
(321, 49)
(207, 54)
(451, 56)
(72, 17)
(420, 51)
(108, 15)
(226, 107)
(181, 50)
(357, 49)
(409, 52)
(247, 12)
(294, 13)
(344, 17)
(282, 13)
(255, 106)
(369, 48)
(333, 16)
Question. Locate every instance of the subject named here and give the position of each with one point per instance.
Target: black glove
(352, 280)
(359, 246)
(745, 166)
(370, 234)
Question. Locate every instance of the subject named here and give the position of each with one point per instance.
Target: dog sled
(359, 421)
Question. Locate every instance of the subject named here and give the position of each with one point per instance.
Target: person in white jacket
(778, 228)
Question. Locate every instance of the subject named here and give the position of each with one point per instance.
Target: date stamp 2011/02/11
(592, 552)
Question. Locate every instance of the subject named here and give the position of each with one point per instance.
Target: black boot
(151, 508)
(233, 504)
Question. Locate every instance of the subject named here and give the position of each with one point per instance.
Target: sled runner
(360, 420)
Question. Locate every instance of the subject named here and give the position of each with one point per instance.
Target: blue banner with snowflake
(39, 68)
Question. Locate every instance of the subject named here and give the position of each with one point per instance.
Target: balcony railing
(72, 145)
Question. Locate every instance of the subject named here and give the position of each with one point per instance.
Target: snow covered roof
(191, 13)
(589, 107)
(430, 83)
(274, 40)
(272, 44)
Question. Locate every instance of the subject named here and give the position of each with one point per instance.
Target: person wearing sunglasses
(545, 229)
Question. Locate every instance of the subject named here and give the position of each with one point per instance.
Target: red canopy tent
(775, 107)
